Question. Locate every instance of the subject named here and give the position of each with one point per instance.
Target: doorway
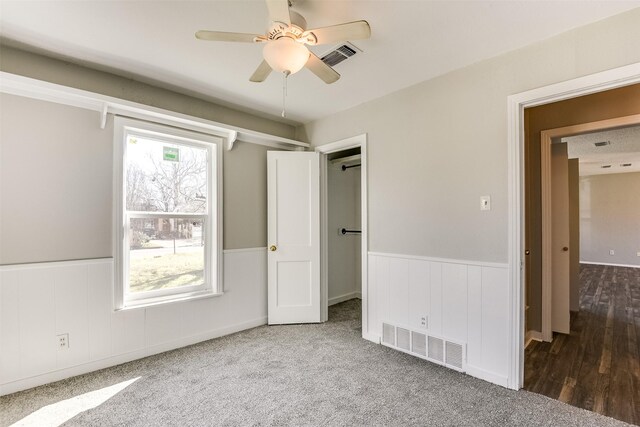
(580, 366)
(562, 150)
(343, 224)
(517, 127)
(299, 231)
(518, 255)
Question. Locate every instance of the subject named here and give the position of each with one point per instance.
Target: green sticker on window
(171, 154)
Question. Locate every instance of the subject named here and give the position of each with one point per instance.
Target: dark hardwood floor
(597, 366)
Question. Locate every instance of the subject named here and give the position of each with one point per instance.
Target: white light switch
(612, 252)
(485, 203)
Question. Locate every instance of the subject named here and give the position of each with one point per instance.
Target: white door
(574, 235)
(293, 237)
(560, 238)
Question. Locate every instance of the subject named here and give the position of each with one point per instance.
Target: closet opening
(344, 233)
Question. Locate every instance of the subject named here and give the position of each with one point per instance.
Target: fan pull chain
(284, 92)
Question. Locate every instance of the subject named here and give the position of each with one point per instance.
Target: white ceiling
(411, 41)
(623, 148)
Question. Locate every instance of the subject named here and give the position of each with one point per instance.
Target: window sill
(169, 300)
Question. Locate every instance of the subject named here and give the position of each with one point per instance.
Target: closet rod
(345, 167)
(345, 231)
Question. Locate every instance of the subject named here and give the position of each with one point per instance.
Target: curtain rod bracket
(103, 115)
(231, 139)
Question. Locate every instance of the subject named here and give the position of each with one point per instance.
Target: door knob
(565, 249)
(273, 248)
(527, 252)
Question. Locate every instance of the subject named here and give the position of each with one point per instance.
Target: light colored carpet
(323, 374)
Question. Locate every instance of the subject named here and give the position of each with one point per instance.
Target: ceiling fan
(285, 41)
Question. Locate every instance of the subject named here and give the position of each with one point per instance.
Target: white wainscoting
(40, 301)
(464, 301)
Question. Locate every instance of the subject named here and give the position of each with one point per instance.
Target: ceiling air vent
(339, 54)
(625, 165)
(605, 166)
(602, 143)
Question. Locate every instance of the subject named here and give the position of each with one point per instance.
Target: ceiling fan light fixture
(285, 55)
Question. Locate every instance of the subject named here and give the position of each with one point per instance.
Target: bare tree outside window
(156, 184)
(165, 252)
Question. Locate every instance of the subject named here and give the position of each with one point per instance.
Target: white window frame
(212, 219)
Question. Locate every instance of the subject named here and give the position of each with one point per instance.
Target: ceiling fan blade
(338, 33)
(261, 73)
(322, 70)
(279, 11)
(221, 36)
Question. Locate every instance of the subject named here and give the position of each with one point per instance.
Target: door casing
(546, 139)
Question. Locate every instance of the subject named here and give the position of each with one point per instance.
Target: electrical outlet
(63, 342)
(612, 252)
(637, 253)
(423, 321)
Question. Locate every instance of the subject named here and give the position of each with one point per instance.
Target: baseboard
(532, 336)
(49, 377)
(371, 337)
(487, 376)
(205, 336)
(345, 297)
(610, 264)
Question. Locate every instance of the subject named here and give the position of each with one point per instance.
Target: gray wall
(56, 171)
(55, 182)
(344, 212)
(245, 196)
(610, 218)
(436, 147)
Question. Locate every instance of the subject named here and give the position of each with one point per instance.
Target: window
(168, 219)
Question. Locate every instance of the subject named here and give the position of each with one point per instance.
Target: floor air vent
(389, 334)
(419, 343)
(339, 54)
(435, 349)
(454, 355)
(403, 339)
